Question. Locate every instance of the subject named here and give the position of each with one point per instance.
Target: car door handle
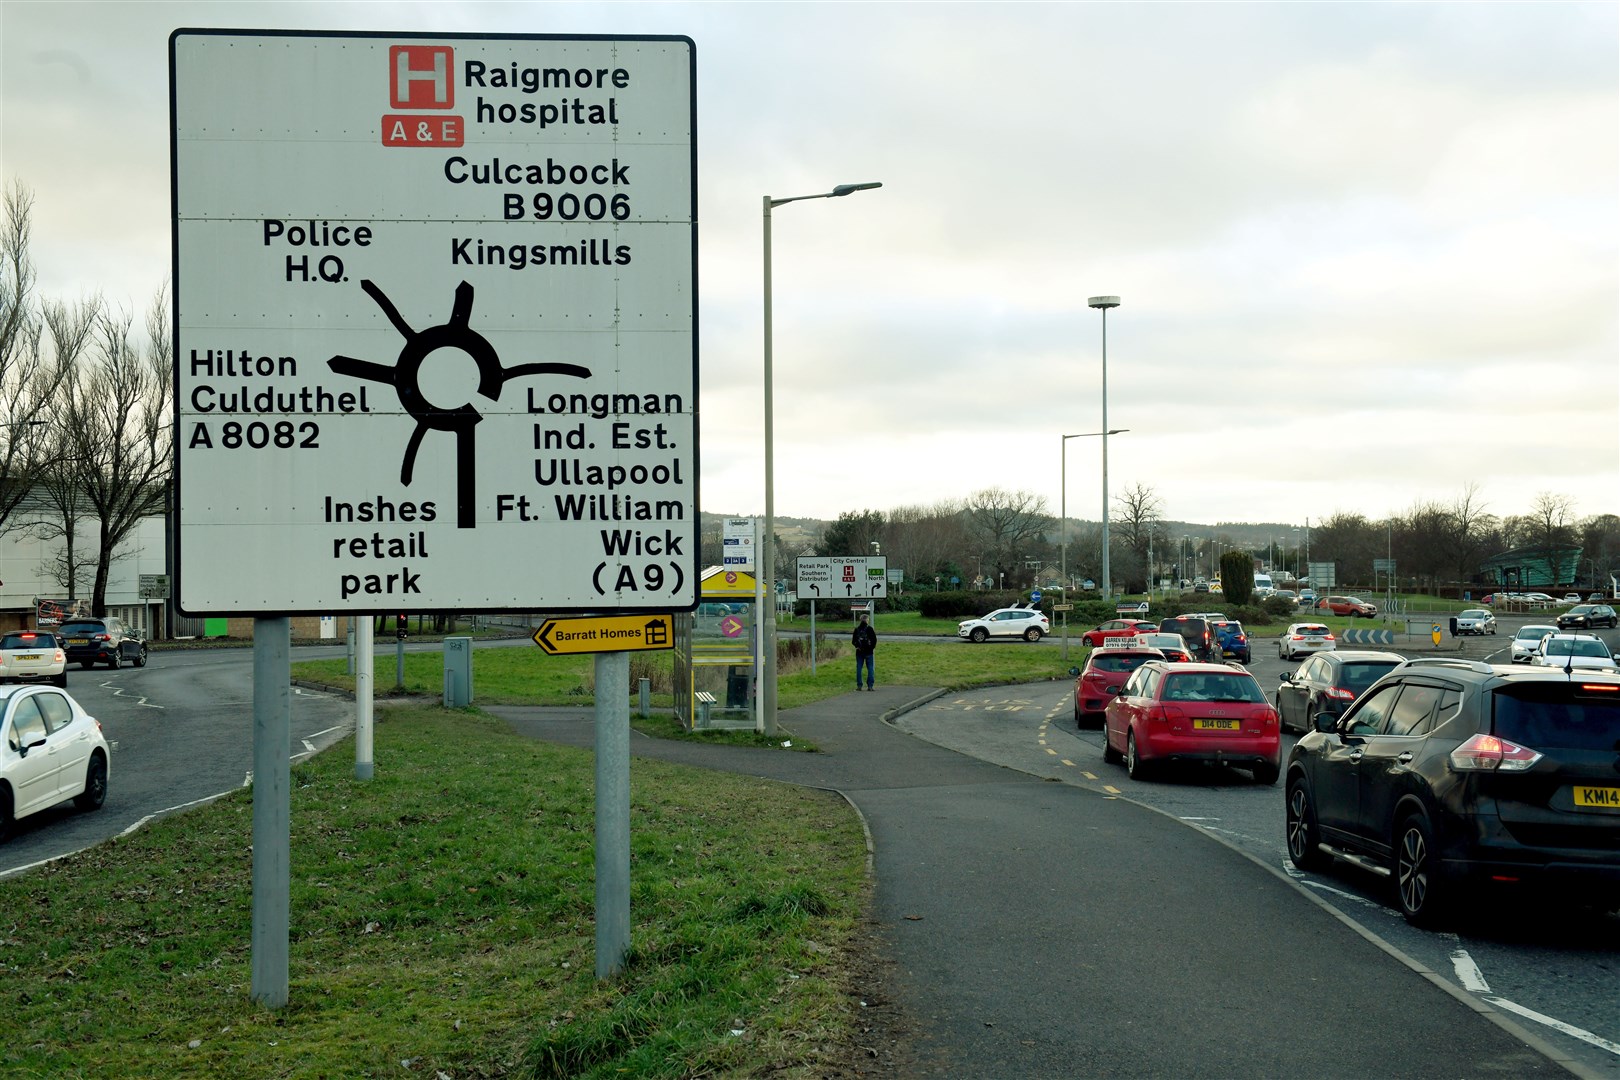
(1405, 757)
(1355, 755)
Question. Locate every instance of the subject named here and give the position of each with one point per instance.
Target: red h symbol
(419, 76)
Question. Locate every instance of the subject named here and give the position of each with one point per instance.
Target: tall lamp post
(1105, 302)
(767, 561)
(1063, 502)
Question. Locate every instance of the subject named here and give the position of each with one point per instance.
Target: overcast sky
(1366, 252)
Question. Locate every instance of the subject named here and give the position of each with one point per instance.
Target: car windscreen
(1541, 715)
(1197, 687)
(1475, 615)
(1358, 677)
(1118, 662)
(1532, 633)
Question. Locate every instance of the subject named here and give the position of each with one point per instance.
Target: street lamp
(1104, 303)
(1063, 503)
(767, 562)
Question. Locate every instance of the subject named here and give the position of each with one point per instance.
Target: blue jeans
(863, 660)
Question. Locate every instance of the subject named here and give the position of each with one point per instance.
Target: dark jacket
(864, 639)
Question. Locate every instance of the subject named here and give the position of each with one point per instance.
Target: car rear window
(1313, 630)
(27, 641)
(1575, 648)
(1213, 687)
(1358, 677)
(1119, 662)
(93, 626)
(1542, 715)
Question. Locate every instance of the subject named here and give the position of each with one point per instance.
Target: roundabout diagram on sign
(405, 377)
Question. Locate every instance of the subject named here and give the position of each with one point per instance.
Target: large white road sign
(435, 322)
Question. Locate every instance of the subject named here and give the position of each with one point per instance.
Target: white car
(32, 656)
(1476, 621)
(1026, 623)
(1165, 643)
(1302, 638)
(1576, 652)
(1527, 639)
(50, 750)
(1572, 598)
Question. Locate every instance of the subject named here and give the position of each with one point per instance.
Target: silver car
(1476, 621)
(1575, 652)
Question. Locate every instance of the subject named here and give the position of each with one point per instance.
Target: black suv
(101, 641)
(1448, 773)
(1197, 633)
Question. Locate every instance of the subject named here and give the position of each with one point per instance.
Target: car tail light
(61, 657)
(1488, 753)
(1339, 693)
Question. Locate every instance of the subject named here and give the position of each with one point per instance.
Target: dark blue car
(1232, 640)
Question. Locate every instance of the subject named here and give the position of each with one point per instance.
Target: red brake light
(1340, 693)
(1599, 688)
(1488, 753)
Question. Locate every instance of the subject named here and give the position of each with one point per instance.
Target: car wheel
(95, 785)
(6, 820)
(1300, 828)
(1032, 634)
(1110, 755)
(116, 660)
(978, 635)
(1265, 773)
(140, 657)
(60, 680)
(1419, 882)
(1135, 767)
(1282, 717)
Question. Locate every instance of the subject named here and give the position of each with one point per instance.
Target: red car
(1214, 713)
(1347, 605)
(1118, 628)
(1105, 673)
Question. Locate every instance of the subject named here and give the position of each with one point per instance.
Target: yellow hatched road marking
(1111, 789)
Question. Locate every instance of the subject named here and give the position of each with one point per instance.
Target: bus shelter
(714, 664)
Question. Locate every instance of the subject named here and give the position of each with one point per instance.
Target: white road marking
(1557, 1025)
(1468, 972)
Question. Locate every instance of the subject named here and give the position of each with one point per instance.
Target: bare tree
(1006, 526)
(40, 342)
(120, 453)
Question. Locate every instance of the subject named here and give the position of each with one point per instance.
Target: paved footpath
(1042, 929)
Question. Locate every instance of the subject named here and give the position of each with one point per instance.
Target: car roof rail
(1450, 661)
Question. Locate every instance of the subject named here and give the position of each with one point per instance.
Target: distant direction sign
(435, 313)
(604, 633)
(842, 578)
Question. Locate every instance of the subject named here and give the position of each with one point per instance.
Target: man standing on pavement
(865, 640)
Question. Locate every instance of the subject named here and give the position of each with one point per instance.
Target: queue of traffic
(1440, 774)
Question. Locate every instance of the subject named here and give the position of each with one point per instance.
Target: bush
(966, 605)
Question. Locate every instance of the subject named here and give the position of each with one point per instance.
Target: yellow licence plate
(1598, 796)
(27, 656)
(1217, 725)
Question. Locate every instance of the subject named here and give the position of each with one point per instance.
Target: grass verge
(443, 925)
(523, 675)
